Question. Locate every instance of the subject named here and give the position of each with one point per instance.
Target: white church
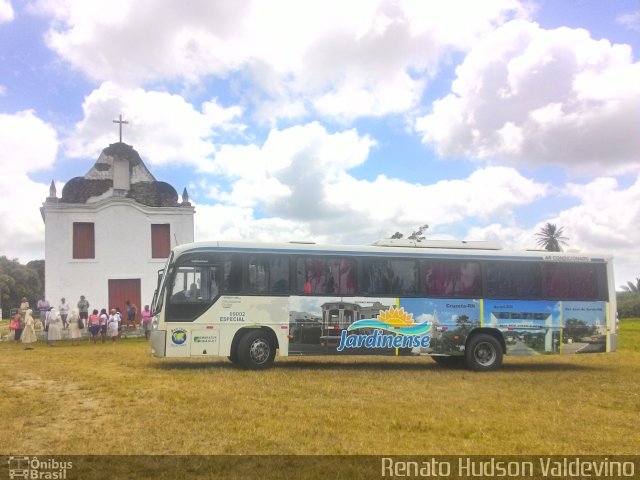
(110, 232)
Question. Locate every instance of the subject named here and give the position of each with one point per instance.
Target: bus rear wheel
(256, 351)
(483, 353)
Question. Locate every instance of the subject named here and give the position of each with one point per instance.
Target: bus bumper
(158, 343)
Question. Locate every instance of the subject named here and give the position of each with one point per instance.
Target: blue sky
(333, 121)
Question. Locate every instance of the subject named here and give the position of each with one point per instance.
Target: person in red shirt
(94, 325)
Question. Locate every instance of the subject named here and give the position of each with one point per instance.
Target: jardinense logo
(403, 332)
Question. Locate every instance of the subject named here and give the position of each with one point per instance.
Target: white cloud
(6, 11)
(605, 221)
(372, 97)
(28, 145)
(630, 20)
(163, 127)
(286, 175)
(525, 95)
(344, 59)
(508, 236)
(606, 218)
(488, 193)
(302, 174)
(221, 222)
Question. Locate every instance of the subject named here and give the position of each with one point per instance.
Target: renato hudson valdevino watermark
(497, 467)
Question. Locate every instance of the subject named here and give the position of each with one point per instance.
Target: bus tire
(255, 350)
(483, 353)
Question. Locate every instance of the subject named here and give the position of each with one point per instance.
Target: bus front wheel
(256, 351)
(483, 353)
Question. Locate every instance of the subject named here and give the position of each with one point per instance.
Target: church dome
(119, 171)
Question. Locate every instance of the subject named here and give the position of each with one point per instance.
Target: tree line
(629, 300)
(18, 281)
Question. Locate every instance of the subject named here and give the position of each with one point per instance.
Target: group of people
(53, 321)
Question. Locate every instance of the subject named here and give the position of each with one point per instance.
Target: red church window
(160, 240)
(84, 240)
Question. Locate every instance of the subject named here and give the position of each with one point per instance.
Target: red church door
(121, 291)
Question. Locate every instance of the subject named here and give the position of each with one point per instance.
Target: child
(17, 324)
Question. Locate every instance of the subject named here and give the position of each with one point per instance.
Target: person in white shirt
(114, 322)
(54, 331)
(63, 309)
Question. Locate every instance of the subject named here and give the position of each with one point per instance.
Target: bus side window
(233, 274)
(514, 280)
(269, 274)
(452, 278)
(556, 281)
(572, 282)
(210, 280)
(376, 277)
(311, 276)
(325, 276)
(279, 278)
(341, 276)
(384, 277)
(258, 275)
(404, 277)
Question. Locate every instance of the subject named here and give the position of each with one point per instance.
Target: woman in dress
(54, 332)
(112, 327)
(29, 333)
(74, 328)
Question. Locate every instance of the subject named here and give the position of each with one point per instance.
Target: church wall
(122, 247)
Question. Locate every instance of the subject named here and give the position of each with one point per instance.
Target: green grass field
(117, 399)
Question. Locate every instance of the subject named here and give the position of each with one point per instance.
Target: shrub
(628, 304)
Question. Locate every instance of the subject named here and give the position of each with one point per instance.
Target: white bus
(454, 301)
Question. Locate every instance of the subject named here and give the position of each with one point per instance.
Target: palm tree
(417, 235)
(550, 237)
(632, 287)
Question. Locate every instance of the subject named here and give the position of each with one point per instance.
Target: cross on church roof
(120, 121)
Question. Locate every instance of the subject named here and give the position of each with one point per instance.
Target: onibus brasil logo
(403, 332)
